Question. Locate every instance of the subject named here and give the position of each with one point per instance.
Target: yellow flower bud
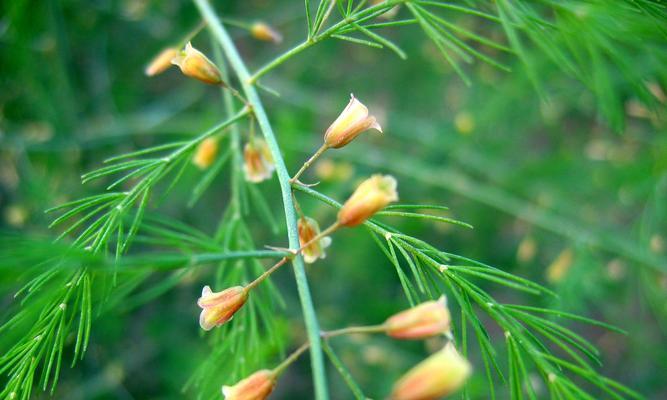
(205, 153)
(161, 62)
(428, 319)
(559, 268)
(257, 386)
(220, 307)
(440, 375)
(195, 64)
(308, 230)
(350, 123)
(371, 196)
(464, 123)
(262, 31)
(258, 165)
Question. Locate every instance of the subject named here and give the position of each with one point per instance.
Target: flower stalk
(308, 163)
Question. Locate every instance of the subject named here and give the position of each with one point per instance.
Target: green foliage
(208, 227)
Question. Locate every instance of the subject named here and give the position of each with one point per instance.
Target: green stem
(266, 273)
(308, 163)
(355, 329)
(289, 360)
(282, 58)
(318, 38)
(326, 335)
(310, 317)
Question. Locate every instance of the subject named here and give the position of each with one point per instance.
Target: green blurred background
(565, 183)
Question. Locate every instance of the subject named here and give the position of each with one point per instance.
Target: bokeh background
(565, 183)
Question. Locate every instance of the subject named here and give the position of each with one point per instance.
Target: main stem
(237, 64)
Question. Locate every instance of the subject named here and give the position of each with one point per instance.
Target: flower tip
(257, 386)
(219, 307)
(194, 64)
(161, 62)
(309, 229)
(351, 122)
(376, 126)
(203, 322)
(264, 32)
(371, 196)
(258, 163)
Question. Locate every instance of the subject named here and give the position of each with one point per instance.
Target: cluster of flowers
(440, 374)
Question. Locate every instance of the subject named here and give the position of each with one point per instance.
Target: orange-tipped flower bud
(205, 153)
(257, 386)
(218, 308)
(428, 319)
(161, 62)
(371, 196)
(350, 123)
(308, 230)
(440, 375)
(263, 32)
(195, 64)
(258, 165)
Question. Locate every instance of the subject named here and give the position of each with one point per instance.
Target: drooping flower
(350, 123)
(264, 32)
(371, 196)
(195, 64)
(205, 153)
(308, 230)
(439, 375)
(428, 319)
(258, 165)
(161, 62)
(257, 386)
(220, 307)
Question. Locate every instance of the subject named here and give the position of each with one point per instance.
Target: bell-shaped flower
(350, 123)
(308, 230)
(220, 307)
(258, 163)
(205, 153)
(428, 319)
(371, 196)
(264, 32)
(161, 62)
(441, 374)
(195, 64)
(257, 386)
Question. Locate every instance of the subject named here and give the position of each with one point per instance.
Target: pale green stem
(326, 335)
(355, 329)
(266, 273)
(310, 161)
(289, 360)
(310, 317)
